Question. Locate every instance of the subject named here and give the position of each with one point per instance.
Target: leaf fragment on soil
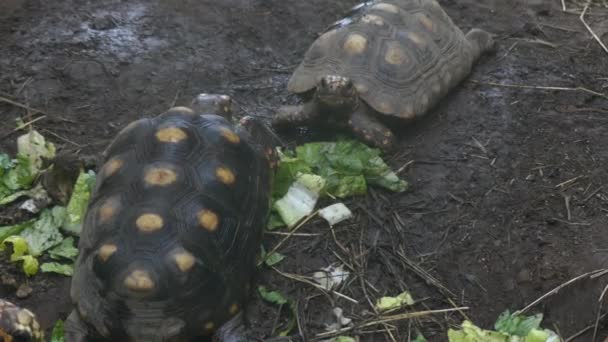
(277, 298)
(389, 303)
(335, 213)
(330, 277)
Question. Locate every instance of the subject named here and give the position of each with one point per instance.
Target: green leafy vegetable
(348, 166)
(36, 192)
(300, 199)
(342, 339)
(77, 205)
(58, 334)
(56, 267)
(19, 246)
(35, 148)
(271, 296)
(19, 176)
(518, 325)
(271, 259)
(471, 333)
(30, 264)
(65, 250)
(274, 221)
(44, 233)
(7, 231)
(289, 168)
(278, 299)
(420, 338)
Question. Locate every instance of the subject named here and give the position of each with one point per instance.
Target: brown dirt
(489, 223)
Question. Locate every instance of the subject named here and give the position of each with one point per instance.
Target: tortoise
(18, 324)
(387, 62)
(171, 233)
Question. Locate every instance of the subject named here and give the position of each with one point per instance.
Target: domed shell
(18, 324)
(175, 221)
(402, 55)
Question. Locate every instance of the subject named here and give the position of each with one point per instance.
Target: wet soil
(508, 194)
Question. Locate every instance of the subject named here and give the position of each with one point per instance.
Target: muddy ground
(486, 213)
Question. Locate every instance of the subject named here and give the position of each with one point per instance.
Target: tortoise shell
(18, 324)
(402, 55)
(170, 238)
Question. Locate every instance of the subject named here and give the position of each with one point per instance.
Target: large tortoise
(169, 242)
(387, 59)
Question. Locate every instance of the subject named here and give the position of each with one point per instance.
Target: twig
(557, 289)
(567, 202)
(599, 311)
(306, 281)
(274, 249)
(21, 105)
(393, 318)
(542, 88)
(582, 17)
(582, 331)
(22, 126)
(569, 181)
(563, 5)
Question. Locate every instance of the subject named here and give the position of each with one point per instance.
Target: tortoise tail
(481, 42)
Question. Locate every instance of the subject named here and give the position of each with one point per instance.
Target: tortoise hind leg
(481, 42)
(291, 116)
(368, 128)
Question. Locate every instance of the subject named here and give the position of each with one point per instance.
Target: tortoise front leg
(75, 329)
(291, 116)
(369, 129)
(233, 331)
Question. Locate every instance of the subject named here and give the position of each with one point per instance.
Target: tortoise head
(218, 104)
(262, 135)
(337, 94)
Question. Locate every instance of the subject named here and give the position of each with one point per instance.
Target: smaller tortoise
(169, 241)
(18, 324)
(389, 59)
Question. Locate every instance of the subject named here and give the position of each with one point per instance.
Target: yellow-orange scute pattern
(160, 176)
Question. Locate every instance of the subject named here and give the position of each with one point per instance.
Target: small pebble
(8, 280)
(24, 291)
